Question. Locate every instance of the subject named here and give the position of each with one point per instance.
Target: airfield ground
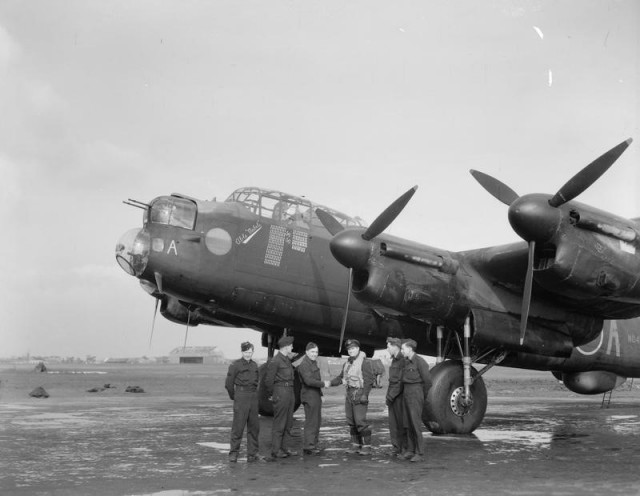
(537, 438)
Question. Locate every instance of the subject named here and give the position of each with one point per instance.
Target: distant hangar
(196, 355)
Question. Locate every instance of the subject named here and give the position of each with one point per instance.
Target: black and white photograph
(319, 247)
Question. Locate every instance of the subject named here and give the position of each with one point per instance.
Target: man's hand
(327, 384)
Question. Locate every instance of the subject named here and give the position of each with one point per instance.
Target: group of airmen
(409, 383)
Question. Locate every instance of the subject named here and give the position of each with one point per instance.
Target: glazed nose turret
(132, 251)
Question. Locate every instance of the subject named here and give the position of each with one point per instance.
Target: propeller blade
(526, 297)
(158, 278)
(186, 331)
(329, 222)
(589, 175)
(385, 219)
(496, 188)
(153, 322)
(346, 310)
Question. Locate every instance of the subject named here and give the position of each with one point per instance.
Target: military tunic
(242, 386)
(279, 383)
(311, 397)
(395, 403)
(416, 381)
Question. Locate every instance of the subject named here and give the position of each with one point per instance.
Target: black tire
(265, 405)
(443, 413)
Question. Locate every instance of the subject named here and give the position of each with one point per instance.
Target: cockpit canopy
(173, 211)
(283, 207)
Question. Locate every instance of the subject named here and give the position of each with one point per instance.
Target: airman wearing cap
(416, 381)
(242, 386)
(357, 376)
(394, 399)
(279, 383)
(311, 385)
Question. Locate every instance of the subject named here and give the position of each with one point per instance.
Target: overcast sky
(347, 103)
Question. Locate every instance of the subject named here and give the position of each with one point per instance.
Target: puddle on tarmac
(15, 407)
(180, 492)
(528, 438)
(186, 415)
(217, 446)
(80, 372)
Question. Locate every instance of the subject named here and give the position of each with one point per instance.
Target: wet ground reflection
(164, 446)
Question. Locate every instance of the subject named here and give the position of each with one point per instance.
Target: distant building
(117, 360)
(197, 355)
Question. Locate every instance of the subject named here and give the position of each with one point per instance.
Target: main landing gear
(457, 400)
(449, 410)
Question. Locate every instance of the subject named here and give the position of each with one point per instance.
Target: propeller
(153, 322)
(536, 218)
(186, 331)
(158, 278)
(346, 309)
(330, 223)
(497, 188)
(352, 247)
(389, 214)
(589, 175)
(526, 297)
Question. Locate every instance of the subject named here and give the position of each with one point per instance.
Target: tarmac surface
(173, 440)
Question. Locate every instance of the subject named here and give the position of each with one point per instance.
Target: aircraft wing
(504, 265)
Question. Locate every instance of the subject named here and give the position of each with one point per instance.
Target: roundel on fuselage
(218, 241)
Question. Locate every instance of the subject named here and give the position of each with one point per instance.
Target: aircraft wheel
(265, 405)
(445, 410)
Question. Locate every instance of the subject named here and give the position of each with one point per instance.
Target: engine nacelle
(404, 288)
(592, 382)
(597, 259)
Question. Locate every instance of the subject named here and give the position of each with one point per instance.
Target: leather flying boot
(366, 446)
(355, 445)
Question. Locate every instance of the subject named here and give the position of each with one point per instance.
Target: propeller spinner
(536, 217)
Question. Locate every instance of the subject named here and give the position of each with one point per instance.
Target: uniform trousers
(245, 412)
(413, 406)
(283, 405)
(357, 417)
(397, 430)
(312, 418)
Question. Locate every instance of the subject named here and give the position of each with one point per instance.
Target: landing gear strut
(457, 400)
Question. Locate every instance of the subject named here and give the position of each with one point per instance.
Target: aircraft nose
(132, 251)
(533, 218)
(350, 249)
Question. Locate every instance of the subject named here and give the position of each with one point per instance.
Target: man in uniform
(311, 397)
(279, 383)
(242, 386)
(416, 381)
(357, 376)
(395, 400)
